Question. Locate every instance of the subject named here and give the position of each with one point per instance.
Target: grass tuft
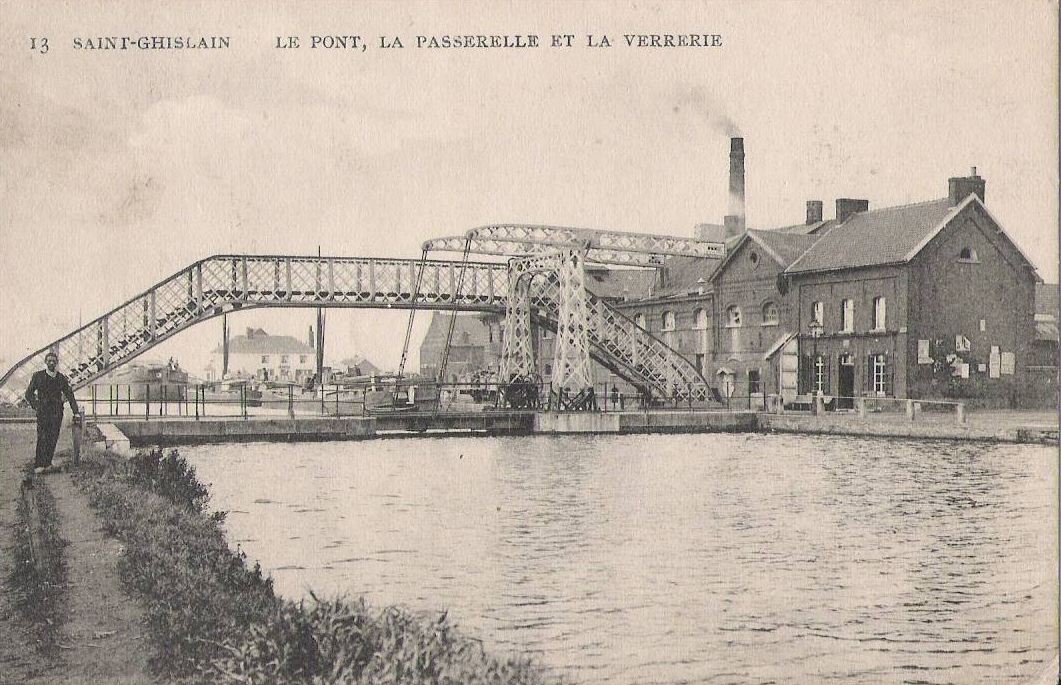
(213, 619)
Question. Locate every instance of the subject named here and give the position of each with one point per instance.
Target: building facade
(256, 354)
(929, 300)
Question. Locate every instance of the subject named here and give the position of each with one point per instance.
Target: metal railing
(160, 401)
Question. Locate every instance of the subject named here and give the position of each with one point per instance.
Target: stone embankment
(991, 426)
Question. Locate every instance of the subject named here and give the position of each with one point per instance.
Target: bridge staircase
(224, 283)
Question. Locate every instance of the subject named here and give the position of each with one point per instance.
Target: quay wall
(178, 432)
(189, 431)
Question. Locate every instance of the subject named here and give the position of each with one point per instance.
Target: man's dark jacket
(45, 393)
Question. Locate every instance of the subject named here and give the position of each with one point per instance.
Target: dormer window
(968, 256)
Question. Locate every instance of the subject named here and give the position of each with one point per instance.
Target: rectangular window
(817, 313)
(700, 363)
(301, 359)
(755, 384)
(283, 359)
(880, 374)
(880, 314)
(819, 375)
(265, 359)
(847, 316)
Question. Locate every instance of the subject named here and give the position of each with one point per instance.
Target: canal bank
(98, 636)
(153, 592)
(1017, 427)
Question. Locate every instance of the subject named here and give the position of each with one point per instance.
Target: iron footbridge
(544, 287)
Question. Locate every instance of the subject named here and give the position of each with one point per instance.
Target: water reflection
(716, 558)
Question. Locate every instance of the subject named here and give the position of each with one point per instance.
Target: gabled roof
(472, 324)
(262, 343)
(880, 236)
(783, 248)
(686, 276)
(892, 235)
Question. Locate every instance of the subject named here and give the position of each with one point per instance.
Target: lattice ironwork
(483, 246)
(517, 347)
(224, 283)
(221, 284)
(604, 247)
(572, 371)
(615, 340)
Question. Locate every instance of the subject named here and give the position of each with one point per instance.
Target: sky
(119, 168)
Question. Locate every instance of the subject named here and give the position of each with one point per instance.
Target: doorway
(846, 383)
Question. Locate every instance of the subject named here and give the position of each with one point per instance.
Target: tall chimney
(964, 186)
(846, 206)
(814, 212)
(735, 221)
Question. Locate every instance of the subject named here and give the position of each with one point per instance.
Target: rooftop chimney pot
(846, 206)
(962, 187)
(814, 212)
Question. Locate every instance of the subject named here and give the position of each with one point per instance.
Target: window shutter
(867, 387)
(888, 376)
(806, 375)
(827, 374)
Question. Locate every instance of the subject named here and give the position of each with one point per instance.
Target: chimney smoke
(735, 220)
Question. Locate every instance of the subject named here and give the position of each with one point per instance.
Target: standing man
(45, 394)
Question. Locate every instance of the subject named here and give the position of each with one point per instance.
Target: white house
(267, 357)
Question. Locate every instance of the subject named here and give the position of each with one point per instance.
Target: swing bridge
(541, 283)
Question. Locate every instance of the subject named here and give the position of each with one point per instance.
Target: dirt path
(101, 640)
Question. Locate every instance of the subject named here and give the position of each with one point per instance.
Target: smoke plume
(695, 99)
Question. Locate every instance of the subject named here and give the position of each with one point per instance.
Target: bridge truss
(547, 289)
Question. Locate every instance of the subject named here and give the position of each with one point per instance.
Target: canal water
(735, 558)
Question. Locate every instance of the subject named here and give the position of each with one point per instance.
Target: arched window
(640, 321)
(968, 254)
(733, 317)
(771, 316)
(668, 321)
(700, 319)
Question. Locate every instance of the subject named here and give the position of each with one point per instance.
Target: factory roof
(880, 236)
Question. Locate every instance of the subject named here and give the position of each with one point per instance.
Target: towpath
(101, 639)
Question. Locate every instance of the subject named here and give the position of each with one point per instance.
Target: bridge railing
(154, 401)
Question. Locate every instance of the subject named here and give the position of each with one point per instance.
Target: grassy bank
(38, 582)
(211, 618)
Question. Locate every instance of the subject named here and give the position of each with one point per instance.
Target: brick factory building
(930, 300)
